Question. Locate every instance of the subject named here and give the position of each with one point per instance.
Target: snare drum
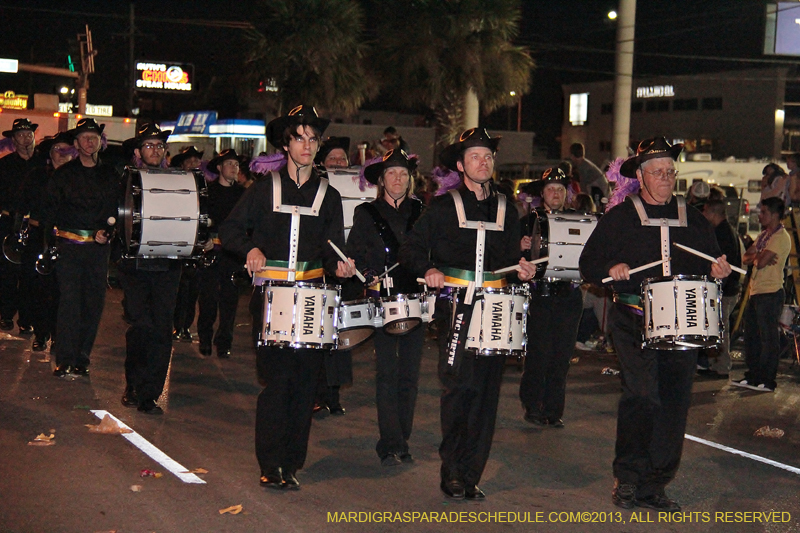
(356, 322)
(563, 238)
(165, 213)
(401, 313)
(498, 321)
(681, 313)
(299, 315)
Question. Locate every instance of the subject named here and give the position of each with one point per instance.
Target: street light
(612, 15)
(64, 90)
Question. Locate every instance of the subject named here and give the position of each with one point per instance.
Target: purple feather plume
(103, 141)
(362, 180)
(264, 164)
(623, 186)
(210, 176)
(446, 179)
(7, 145)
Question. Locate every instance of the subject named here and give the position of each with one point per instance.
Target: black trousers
(150, 299)
(81, 272)
(217, 291)
(42, 296)
(552, 329)
(656, 394)
(468, 408)
(398, 360)
(188, 291)
(285, 405)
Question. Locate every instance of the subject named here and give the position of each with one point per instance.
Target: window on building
(578, 108)
(684, 104)
(712, 103)
(606, 109)
(636, 107)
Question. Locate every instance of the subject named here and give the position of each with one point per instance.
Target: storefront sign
(196, 122)
(655, 91)
(9, 100)
(166, 77)
(93, 110)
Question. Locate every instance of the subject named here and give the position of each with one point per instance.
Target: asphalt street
(536, 480)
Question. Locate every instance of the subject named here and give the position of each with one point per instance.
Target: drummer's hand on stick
(527, 271)
(721, 269)
(346, 269)
(434, 278)
(255, 261)
(525, 243)
(100, 237)
(620, 271)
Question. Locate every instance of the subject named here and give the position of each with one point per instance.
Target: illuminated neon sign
(166, 77)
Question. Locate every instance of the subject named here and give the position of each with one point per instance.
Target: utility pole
(623, 79)
(87, 67)
(131, 60)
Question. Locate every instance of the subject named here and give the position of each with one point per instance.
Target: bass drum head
(130, 211)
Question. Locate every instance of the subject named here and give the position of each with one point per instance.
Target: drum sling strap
(462, 312)
(296, 211)
(664, 224)
(390, 243)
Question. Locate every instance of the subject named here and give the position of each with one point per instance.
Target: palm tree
(452, 55)
(311, 52)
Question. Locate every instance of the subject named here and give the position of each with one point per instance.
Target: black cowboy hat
(185, 153)
(393, 158)
(147, 131)
(87, 124)
(551, 175)
(61, 137)
(300, 115)
(330, 144)
(468, 139)
(20, 124)
(230, 153)
(648, 149)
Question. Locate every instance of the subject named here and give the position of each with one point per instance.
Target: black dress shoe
(186, 335)
(659, 502)
(406, 458)
(25, 331)
(205, 349)
(6, 325)
(149, 407)
(129, 398)
(62, 370)
(535, 417)
(624, 495)
(224, 354)
(453, 489)
(320, 411)
(474, 493)
(289, 480)
(272, 479)
(39, 345)
(337, 410)
(555, 422)
(80, 370)
(176, 335)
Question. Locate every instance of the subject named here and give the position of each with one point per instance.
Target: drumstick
(639, 269)
(446, 283)
(346, 260)
(389, 270)
(276, 269)
(704, 256)
(506, 270)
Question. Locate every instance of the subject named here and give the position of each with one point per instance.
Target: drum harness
(631, 301)
(390, 242)
(462, 314)
(296, 211)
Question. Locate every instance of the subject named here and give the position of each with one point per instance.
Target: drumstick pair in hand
(720, 268)
(256, 262)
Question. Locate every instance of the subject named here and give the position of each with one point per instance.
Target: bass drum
(563, 238)
(165, 214)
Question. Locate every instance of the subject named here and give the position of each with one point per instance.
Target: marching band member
(151, 288)
(439, 248)
(188, 290)
(44, 295)
(13, 169)
(216, 287)
(379, 228)
(656, 384)
(334, 153)
(81, 197)
(262, 235)
(553, 315)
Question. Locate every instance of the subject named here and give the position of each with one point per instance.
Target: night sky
(570, 40)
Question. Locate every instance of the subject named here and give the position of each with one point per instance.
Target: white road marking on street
(754, 457)
(151, 451)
